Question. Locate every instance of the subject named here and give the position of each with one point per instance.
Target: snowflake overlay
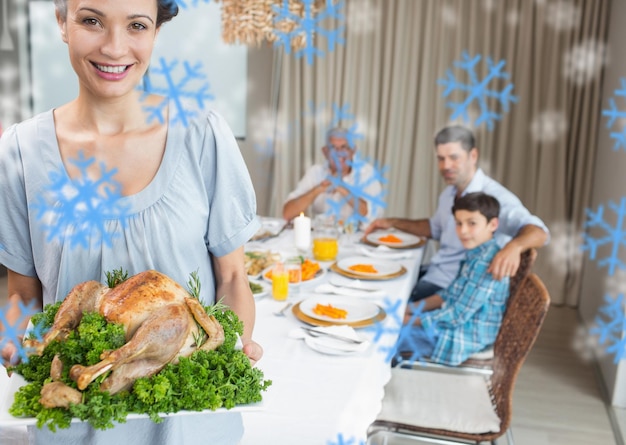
(615, 235)
(12, 333)
(478, 90)
(340, 440)
(363, 17)
(610, 326)
(73, 209)
(583, 63)
(308, 26)
(615, 114)
(357, 190)
(178, 92)
(194, 3)
(561, 15)
(404, 330)
(548, 126)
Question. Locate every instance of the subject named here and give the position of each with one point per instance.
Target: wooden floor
(557, 398)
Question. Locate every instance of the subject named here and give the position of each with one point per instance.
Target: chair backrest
(525, 313)
(527, 259)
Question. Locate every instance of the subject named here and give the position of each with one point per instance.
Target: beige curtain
(386, 75)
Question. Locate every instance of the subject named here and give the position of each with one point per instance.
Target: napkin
(329, 345)
(384, 252)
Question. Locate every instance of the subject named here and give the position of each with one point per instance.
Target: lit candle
(302, 232)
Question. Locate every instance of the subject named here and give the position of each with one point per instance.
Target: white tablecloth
(319, 399)
(315, 399)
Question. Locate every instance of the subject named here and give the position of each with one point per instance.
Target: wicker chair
(482, 362)
(525, 313)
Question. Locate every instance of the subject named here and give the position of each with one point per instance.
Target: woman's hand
(253, 350)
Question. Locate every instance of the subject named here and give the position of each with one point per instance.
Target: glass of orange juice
(325, 239)
(280, 282)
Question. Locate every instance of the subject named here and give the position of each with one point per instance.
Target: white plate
(358, 310)
(383, 267)
(330, 346)
(319, 274)
(265, 292)
(9, 386)
(269, 227)
(408, 239)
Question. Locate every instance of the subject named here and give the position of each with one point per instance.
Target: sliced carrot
(364, 268)
(330, 311)
(391, 238)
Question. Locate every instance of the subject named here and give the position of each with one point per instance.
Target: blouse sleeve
(232, 201)
(15, 244)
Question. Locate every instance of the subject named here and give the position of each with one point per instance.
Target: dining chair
(480, 362)
(448, 408)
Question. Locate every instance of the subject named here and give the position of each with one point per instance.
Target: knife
(315, 332)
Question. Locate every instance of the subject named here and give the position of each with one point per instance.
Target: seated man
(471, 308)
(316, 188)
(518, 229)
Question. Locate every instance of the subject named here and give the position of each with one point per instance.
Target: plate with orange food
(394, 239)
(367, 268)
(310, 271)
(338, 310)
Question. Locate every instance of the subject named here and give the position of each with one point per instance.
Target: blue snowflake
(13, 333)
(478, 90)
(614, 114)
(340, 440)
(178, 92)
(611, 326)
(357, 190)
(341, 114)
(183, 4)
(307, 26)
(76, 209)
(615, 235)
(265, 150)
(398, 328)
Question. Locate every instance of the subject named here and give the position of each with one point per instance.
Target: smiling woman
(152, 173)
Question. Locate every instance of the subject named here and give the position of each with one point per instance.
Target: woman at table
(187, 202)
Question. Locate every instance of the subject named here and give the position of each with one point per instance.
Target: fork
(281, 313)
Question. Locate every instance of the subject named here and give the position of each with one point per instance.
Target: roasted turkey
(162, 322)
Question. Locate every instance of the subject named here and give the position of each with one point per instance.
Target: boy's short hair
(486, 204)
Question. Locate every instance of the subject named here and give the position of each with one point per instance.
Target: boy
(468, 313)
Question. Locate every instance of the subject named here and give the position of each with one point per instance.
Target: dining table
(318, 398)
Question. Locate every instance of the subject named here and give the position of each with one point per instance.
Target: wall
(609, 185)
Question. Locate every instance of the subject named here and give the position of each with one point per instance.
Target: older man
(519, 230)
(318, 187)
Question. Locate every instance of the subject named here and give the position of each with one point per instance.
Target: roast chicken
(162, 322)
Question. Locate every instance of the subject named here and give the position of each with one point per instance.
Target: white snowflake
(584, 62)
(363, 17)
(616, 284)
(564, 253)
(549, 126)
(513, 18)
(562, 15)
(586, 345)
(449, 15)
(489, 5)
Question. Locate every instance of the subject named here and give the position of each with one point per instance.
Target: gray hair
(456, 133)
(61, 7)
(337, 132)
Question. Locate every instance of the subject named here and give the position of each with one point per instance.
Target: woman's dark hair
(166, 10)
(486, 204)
